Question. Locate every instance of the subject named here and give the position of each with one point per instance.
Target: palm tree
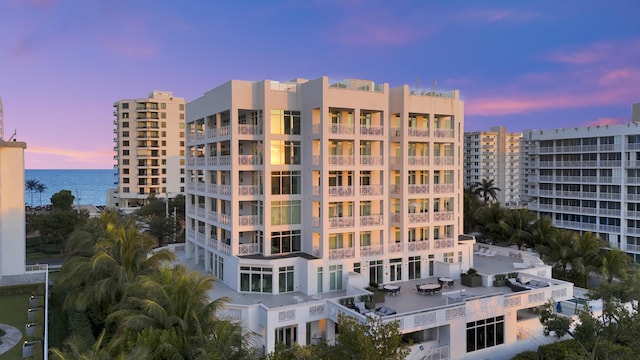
(517, 225)
(31, 185)
(40, 187)
(472, 207)
(486, 190)
(587, 259)
(490, 217)
(559, 250)
(542, 231)
(170, 312)
(615, 264)
(107, 257)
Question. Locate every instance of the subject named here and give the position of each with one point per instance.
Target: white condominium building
(149, 145)
(494, 155)
(588, 179)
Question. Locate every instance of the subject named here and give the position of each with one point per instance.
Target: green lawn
(13, 311)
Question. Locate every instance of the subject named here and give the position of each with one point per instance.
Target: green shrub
(562, 350)
(527, 355)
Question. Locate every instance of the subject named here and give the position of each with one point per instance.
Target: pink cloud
(56, 158)
(610, 51)
(608, 121)
(494, 15)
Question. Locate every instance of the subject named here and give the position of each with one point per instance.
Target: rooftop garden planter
(471, 278)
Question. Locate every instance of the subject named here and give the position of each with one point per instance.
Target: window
(365, 238)
(395, 269)
(163, 115)
(447, 257)
(125, 189)
(356, 267)
(284, 152)
(286, 279)
(285, 122)
(285, 242)
(285, 182)
(125, 143)
(320, 280)
(414, 267)
(285, 212)
(125, 161)
(256, 279)
(125, 171)
(218, 267)
(125, 152)
(125, 105)
(181, 116)
(287, 335)
(485, 333)
(125, 180)
(375, 271)
(181, 106)
(125, 134)
(335, 277)
(340, 241)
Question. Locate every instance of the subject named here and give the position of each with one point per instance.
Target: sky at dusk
(522, 64)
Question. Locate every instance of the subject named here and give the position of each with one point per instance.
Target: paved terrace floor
(407, 300)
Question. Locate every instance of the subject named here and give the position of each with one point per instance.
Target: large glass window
(485, 333)
(285, 152)
(320, 278)
(256, 279)
(340, 241)
(284, 242)
(285, 212)
(287, 335)
(414, 267)
(285, 182)
(335, 277)
(285, 279)
(285, 122)
(365, 238)
(376, 272)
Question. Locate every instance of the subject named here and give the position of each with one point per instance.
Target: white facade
(12, 208)
(587, 179)
(494, 155)
(149, 146)
(302, 193)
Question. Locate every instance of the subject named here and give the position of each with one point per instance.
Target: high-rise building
(635, 113)
(12, 208)
(587, 179)
(149, 145)
(494, 155)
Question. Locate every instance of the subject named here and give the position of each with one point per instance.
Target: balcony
(249, 249)
(341, 160)
(371, 190)
(244, 129)
(418, 217)
(443, 160)
(340, 191)
(394, 247)
(443, 243)
(442, 188)
(249, 190)
(443, 216)
(371, 130)
(341, 222)
(371, 220)
(343, 129)
(249, 220)
(418, 132)
(250, 160)
(371, 250)
(342, 253)
(443, 133)
(371, 160)
(418, 160)
(419, 245)
(418, 189)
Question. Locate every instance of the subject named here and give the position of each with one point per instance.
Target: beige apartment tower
(316, 187)
(494, 155)
(149, 145)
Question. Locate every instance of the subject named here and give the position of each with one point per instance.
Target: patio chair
(481, 251)
(491, 253)
(362, 308)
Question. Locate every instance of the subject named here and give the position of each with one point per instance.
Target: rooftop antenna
(435, 84)
(13, 136)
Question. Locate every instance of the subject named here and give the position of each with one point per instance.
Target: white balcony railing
(371, 220)
(342, 253)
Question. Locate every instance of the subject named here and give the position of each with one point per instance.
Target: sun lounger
(522, 265)
(491, 253)
(481, 251)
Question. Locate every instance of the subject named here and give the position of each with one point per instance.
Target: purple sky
(521, 64)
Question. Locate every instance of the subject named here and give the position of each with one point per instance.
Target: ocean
(89, 186)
